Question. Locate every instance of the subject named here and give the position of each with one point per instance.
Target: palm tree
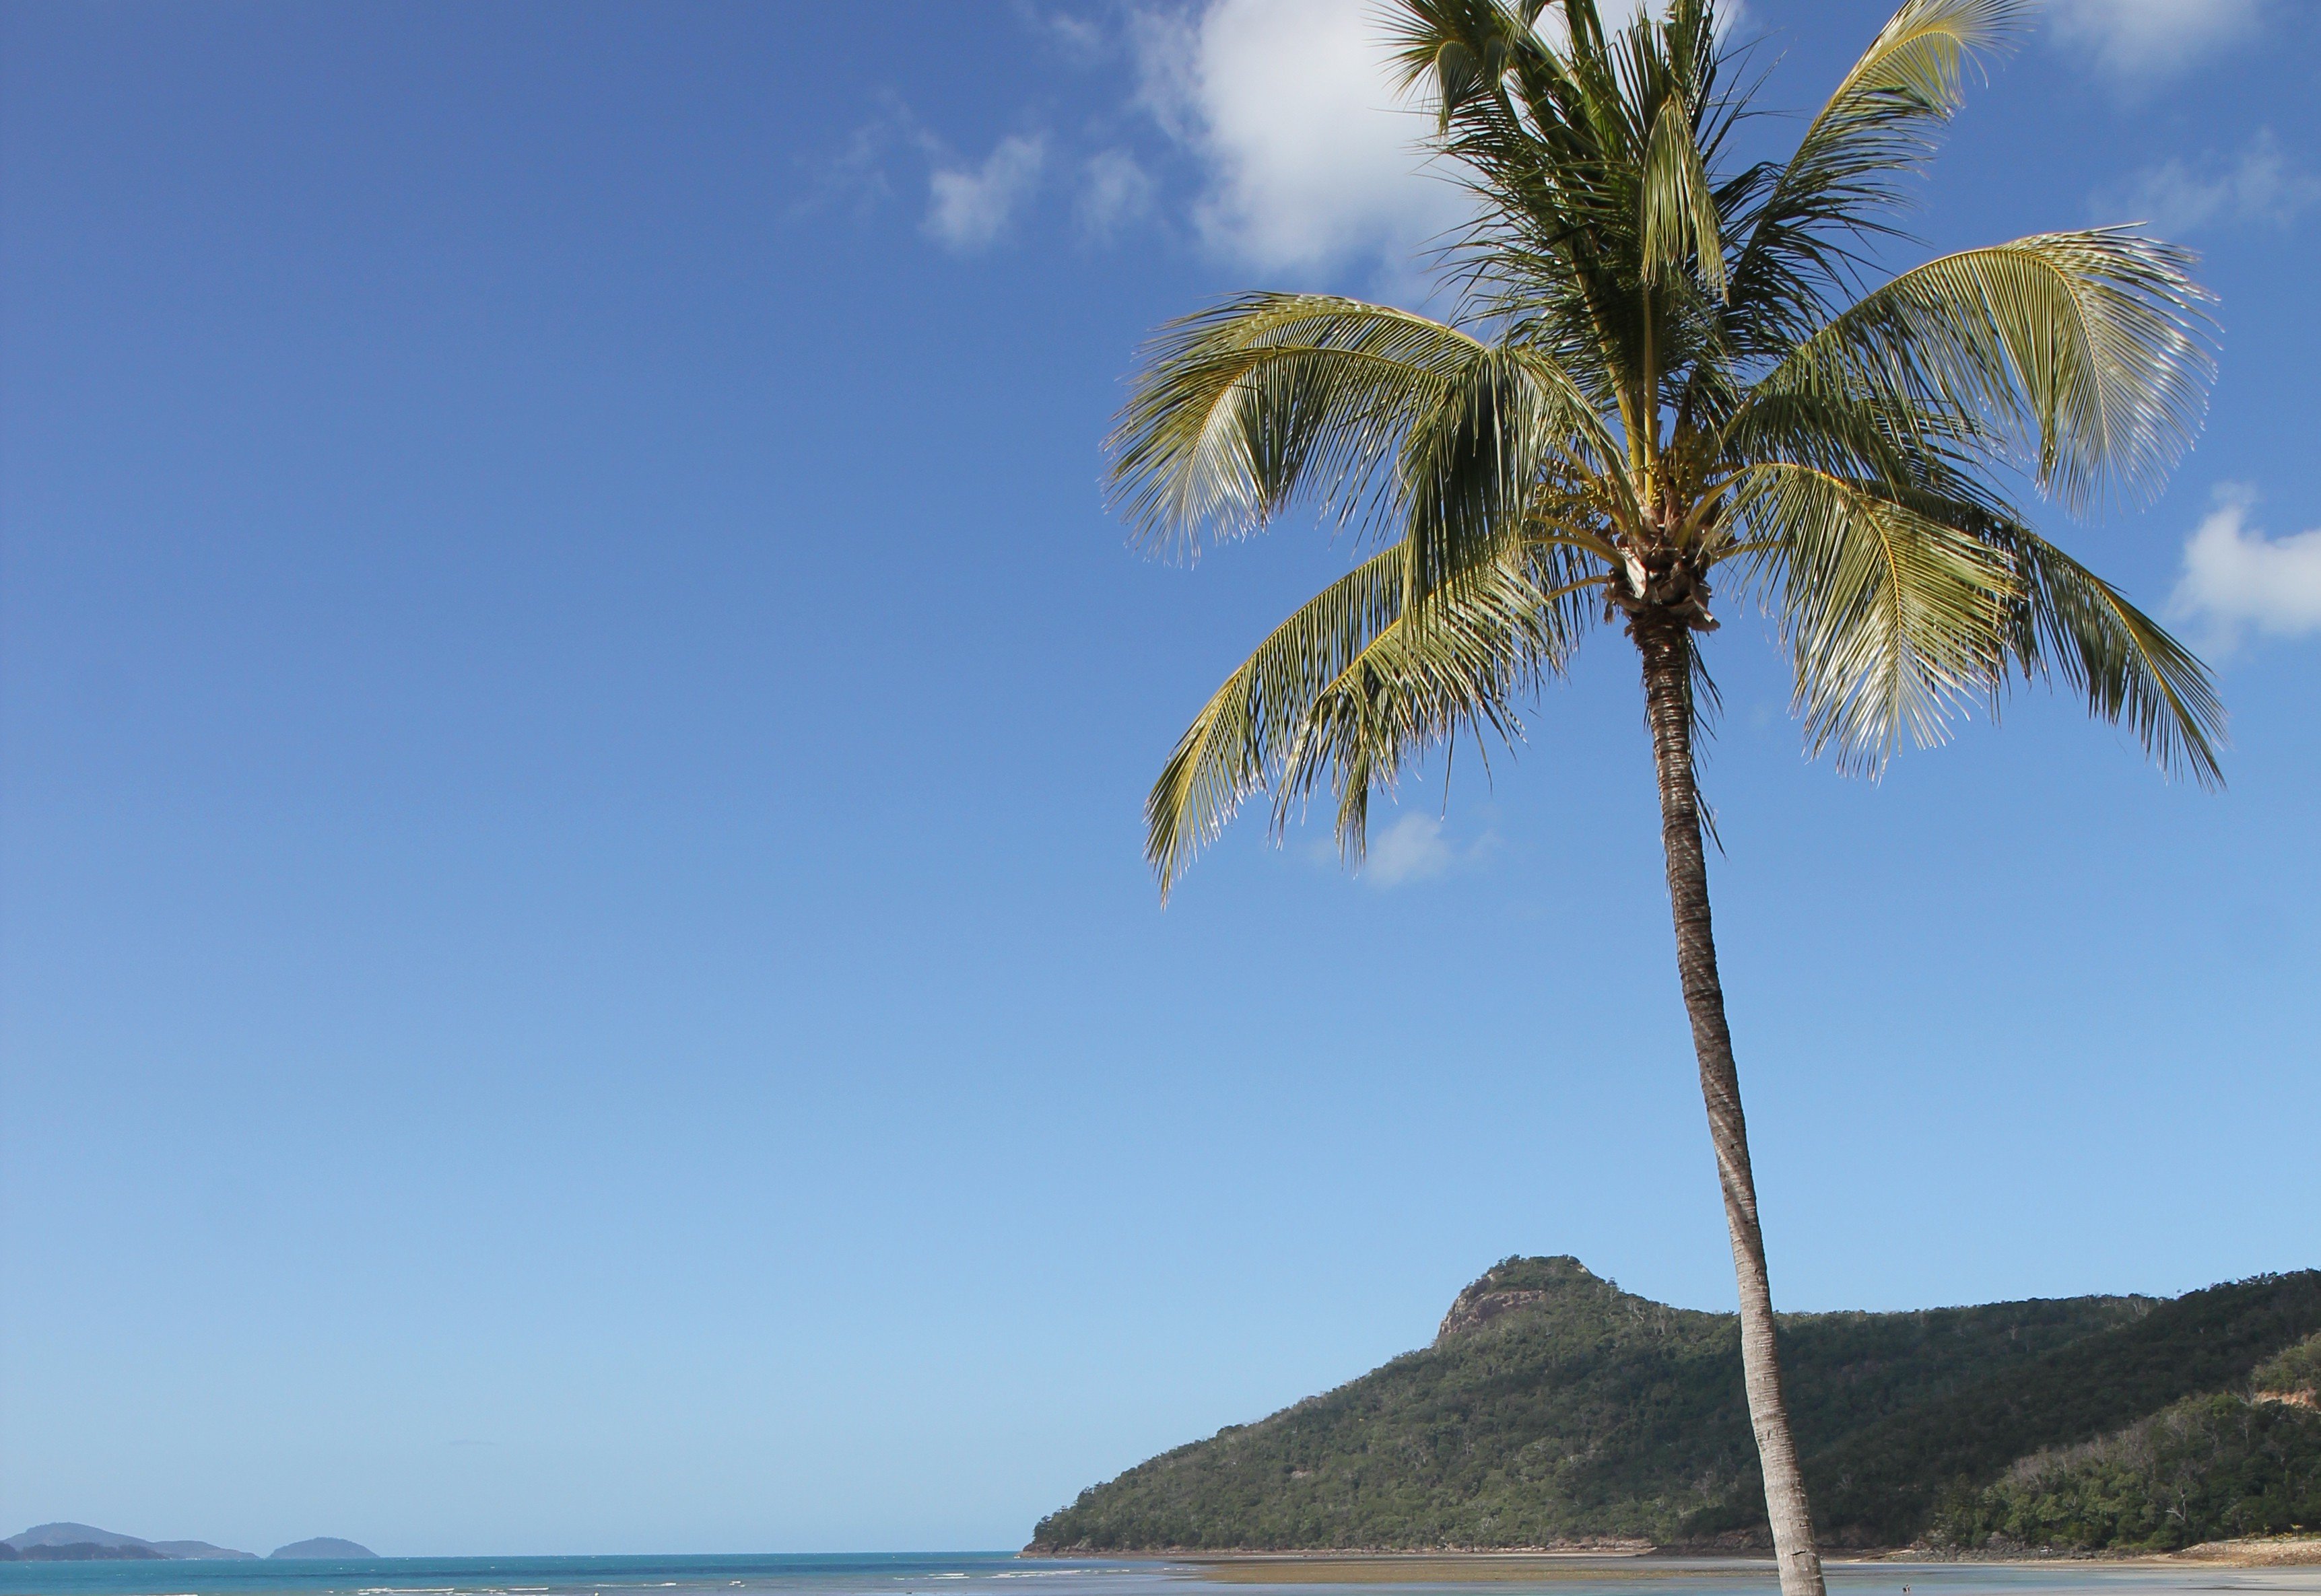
(1665, 367)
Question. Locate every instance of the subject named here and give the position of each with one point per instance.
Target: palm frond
(1241, 407)
(1895, 617)
(1474, 462)
(1462, 49)
(1455, 665)
(2085, 350)
(1679, 208)
(2128, 667)
(1882, 116)
(1244, 733)
(1803, 224)
(1353, 684)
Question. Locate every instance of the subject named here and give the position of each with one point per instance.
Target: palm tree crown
(1663, 370)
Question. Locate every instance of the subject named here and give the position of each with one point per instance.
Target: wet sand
(1643, 1562)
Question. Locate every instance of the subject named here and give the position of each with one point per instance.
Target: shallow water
(1001, 1574)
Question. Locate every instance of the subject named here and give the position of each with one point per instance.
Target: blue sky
(575, 970)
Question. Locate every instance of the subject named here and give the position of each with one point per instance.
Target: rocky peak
(1508, 1284)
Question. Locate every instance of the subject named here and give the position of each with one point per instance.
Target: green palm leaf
(1679, 209)
(1242, 736)
(2081, 349)
(2068, 619)
(1895, 619)
(1350, 686)
(1241, 407)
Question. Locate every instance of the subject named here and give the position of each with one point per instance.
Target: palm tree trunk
(1667, 647)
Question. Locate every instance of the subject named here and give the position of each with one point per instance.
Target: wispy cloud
(969, 206)
(1082, 39)
(1415, 847)
(1411, 849)
(2236, 580)
(2261, 184)
(2151, 38)
(855, 179)
(1114, 191)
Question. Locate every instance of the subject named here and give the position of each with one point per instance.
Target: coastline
(1606, 1559)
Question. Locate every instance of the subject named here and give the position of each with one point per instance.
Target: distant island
(81, 1543)
(1555, 1410)
(78, 1551)
(84, 1543)
(323, 1546)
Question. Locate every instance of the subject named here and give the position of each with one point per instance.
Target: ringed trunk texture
(1666, 646)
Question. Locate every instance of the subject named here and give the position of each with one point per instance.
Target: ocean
(1002, 1573)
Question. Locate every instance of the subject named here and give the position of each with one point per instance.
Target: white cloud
(1114, 191)
(2144, 37)
(968, 207)
(1310, 160)
(1411, 849)
(2236, 580)
(2260, 185)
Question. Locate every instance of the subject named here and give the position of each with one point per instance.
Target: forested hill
(1554, 1407)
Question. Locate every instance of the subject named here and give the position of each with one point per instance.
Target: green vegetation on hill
(2209, 1467)
(2295, 1374)
(1555, 1407)
(1879, 1485)
(2206, 1468)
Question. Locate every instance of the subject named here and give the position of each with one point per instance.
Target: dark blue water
(1002, 1573)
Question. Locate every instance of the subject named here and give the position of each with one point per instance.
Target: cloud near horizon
(2236, 580)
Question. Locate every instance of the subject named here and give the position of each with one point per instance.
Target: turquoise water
(849, 1574)
(1001, 1574)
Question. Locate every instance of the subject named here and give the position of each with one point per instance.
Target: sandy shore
(2284, 1551)
(1430, 1568)
(1641, 1561)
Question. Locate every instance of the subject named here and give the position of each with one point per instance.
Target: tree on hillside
(1667, 369)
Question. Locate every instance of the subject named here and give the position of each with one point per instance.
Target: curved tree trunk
(1667, 649)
